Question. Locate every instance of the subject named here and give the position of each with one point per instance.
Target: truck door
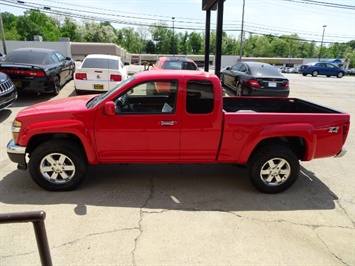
(146, 127)
(201, 123)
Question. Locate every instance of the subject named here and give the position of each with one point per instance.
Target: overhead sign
(209, 4)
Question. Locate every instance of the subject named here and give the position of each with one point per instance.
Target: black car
(255, 78)
(38, 70)
(8, 92)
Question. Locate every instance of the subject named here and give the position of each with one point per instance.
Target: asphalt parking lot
(189, 214)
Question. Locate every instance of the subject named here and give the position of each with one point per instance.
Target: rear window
(100, 63)
(27, 57)
(179, 65)
(264, 70)
(199, 97)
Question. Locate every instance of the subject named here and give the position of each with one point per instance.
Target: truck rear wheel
(273, 169)
(58, 165)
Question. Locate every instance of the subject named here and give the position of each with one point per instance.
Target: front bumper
(17, 154)
(341, 153)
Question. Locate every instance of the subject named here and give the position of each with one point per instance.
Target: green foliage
(33, 22)
(161, 39)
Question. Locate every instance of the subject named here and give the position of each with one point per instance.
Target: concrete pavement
(189, 214)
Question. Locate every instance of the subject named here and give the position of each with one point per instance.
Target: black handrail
(37, 218)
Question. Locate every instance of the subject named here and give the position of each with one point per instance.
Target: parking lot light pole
(173, 18)
(321, 44)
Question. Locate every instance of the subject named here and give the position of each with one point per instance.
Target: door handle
(167, 123)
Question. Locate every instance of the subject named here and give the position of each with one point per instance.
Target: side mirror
(68, 58)
(228, 68)
(126, 63)
(110, 109)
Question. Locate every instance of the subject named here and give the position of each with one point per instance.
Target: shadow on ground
(170, 186)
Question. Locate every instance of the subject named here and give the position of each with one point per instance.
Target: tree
(9, 23)
(33, 22)
(195, 40)
(150, 47)
(161, 35)
(130, 40)
(70, 29)
(95, 32)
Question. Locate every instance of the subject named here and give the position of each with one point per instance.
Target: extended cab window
(153, 97)
(199, 97)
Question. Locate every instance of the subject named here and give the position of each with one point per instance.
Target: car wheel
(304, 74)
(315, 73)
(239, 91)
(58, 165)
(79, 92)
(340, 75)
(56, 85)
(273, 169)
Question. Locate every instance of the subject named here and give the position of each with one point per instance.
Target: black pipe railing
(37, 218)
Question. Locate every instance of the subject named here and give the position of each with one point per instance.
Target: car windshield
(98, 99)
(177, 65)
(264, 70)
(26, 57)
(100, 63)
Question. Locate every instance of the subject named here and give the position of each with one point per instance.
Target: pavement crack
(141, 214)
(329, 250)
(71, 242)
(346, 213)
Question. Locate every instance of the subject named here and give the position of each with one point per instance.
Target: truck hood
(70, 104)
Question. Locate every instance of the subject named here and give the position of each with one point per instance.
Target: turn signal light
(115, 77)
(16, 127)
(254, 83)
(81, 76)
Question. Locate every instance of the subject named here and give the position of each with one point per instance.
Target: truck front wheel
(58, 165)
(273, 169)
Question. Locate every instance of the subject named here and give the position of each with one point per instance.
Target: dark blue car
(321, 68)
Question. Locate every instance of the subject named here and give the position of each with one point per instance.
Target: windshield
(26, 57)
(98, 99)
(100, 63)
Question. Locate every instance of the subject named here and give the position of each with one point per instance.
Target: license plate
(18, 84)
(98, 87)
(272, 84)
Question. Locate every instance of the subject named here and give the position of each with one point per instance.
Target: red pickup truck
(190, 123)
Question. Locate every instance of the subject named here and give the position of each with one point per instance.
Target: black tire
(239, 90)
(79, 92)
(273, 169)
(56, 85)
(304, 74)
(315, 73)
(340, 75)
(58, 165)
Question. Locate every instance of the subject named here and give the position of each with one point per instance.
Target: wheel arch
(296, 144)
(72, 130)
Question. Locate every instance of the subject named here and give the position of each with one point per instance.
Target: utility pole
(173, 18)
(2, 35)
(241, 35)
(321, 44)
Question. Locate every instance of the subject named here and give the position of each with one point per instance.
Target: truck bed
(273, 105)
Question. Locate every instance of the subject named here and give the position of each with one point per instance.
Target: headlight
(16, 127)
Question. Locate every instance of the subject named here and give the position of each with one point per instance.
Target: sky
(308, 19)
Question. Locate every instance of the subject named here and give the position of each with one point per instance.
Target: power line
(325, 4)
(114, 18)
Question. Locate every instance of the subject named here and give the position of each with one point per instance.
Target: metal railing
(37, 218)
